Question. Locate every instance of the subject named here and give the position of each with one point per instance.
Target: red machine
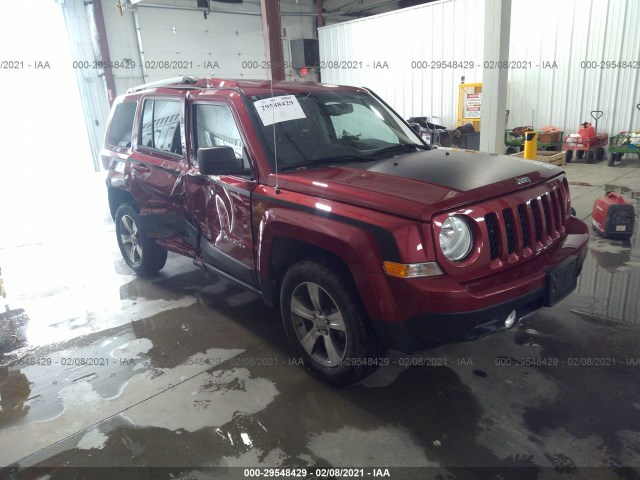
(613, 216)
(587, 140)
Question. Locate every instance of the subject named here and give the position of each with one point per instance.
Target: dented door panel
(221, 207)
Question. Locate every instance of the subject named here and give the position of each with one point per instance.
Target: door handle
(140, 168)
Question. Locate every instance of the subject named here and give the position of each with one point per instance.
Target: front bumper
(411, 314)
(438, 328)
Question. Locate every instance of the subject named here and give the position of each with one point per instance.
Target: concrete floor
(101, 368)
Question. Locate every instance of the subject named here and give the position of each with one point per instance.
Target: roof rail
(184, 80)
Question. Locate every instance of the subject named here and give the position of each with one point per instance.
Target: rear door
(157, 171)
(221, 204)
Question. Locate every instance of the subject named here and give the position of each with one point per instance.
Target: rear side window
(122, 124)
(161, 126)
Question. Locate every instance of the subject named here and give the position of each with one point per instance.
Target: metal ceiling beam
(213, 10)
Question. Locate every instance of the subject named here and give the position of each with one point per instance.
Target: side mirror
(218, 161)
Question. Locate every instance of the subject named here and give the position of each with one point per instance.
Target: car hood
(418, 185)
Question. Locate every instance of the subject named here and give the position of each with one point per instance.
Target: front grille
(537, 225)
(524, 224)
(509, 225)
(494, 233)
(533, 224)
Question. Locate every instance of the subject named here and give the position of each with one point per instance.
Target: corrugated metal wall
(567, 32)
(446, 30)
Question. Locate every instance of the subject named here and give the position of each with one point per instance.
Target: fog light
(511, 319)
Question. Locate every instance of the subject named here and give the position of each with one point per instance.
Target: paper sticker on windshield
(279, 109)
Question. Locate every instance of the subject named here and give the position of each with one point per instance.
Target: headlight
(455, 239)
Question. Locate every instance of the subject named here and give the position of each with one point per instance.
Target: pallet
(555, 158)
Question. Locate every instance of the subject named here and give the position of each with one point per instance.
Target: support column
(104, 51)
(497, 27)
(319, 17)
(271, 30)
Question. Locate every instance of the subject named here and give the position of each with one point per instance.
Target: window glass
(216, 127)
(146, 131)
(166, 126)
(122, 124)
(360, 123)
(340, 124)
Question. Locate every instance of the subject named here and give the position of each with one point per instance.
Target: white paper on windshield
(279, 109)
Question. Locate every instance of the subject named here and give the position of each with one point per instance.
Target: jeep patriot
(323, 201)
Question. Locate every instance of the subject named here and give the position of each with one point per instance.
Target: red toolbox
(613, 216)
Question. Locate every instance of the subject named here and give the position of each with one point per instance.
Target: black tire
(612, 160)
(141, 254)
(568, 156)
(579, 154)
(511, 150)
(355, 348)
(591, 156)
(600, 153)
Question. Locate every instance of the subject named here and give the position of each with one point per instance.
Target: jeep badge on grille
(522, 180)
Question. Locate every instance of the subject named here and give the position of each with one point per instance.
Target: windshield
(320, 128)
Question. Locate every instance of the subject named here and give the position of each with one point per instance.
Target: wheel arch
(117, 197)
(354, 259)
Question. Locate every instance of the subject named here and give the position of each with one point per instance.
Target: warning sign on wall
(472, 103)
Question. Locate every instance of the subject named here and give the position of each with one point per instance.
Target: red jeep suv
(322, 199)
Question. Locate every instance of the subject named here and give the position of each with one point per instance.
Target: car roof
(246, 86)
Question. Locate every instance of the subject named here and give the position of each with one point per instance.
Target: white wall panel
(121, 37)
(445, 30)
(170, 35)
(596, 30)
(566, 32)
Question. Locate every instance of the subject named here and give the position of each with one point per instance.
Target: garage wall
(446, 30)
(578, 31)
(566, 32)
(225, 44)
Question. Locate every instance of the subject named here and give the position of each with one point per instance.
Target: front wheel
(600, 153)
(591, 156)
(612, 159)
(326, 324)
(141, 254)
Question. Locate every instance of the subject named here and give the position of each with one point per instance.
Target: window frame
(251, 174)
(140, 147)
(133, 127)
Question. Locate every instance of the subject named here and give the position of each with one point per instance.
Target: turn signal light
(411, 270)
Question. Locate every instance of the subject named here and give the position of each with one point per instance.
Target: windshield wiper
(326, 161)
(400, 147)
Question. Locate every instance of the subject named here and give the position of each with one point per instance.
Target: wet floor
(101, 368)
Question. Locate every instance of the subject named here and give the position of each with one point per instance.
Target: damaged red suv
(322, 199)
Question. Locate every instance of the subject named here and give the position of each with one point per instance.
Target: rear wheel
(591, 156)
(326, 324)
(568, 156)
(580, 154)
(600, 153)
(141, 254)
(612, 159)
(511, 150)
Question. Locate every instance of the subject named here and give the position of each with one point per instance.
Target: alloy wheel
(130, 238)
(319, 324)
